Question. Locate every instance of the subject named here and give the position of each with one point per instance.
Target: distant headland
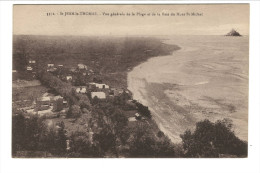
(233, 32)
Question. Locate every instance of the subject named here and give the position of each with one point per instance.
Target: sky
(213, 19)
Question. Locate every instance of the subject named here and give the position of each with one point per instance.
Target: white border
(7, 164)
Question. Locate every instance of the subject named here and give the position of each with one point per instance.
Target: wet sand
(206, 78)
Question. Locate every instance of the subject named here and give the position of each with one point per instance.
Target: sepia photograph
(130, 81)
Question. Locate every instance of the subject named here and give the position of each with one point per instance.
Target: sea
(206, 79)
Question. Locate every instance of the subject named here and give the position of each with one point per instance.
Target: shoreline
(193, 96)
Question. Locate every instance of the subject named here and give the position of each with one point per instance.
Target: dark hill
(233, 33)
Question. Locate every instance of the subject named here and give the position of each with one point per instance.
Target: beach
(206, 79)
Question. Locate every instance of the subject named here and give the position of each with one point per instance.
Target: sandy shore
(207, 78)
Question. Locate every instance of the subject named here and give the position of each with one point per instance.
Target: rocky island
(233, 32)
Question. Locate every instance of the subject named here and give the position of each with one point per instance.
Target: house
(29, 68)
(78, 90)
(82, 66)
(14, 71)
(31, 61)
(50, 65)
(100, 86)
(65, 103)
(83, 90)
(117, 91)
(67, 145)
(43, 103)
(137, 116)
(69, 77)
(131, 119)
(57, 97)
(99, 95)
(60, 65)
(73, 69)
(45, 100)
(52, 69)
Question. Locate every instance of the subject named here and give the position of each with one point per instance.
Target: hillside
(111, 57)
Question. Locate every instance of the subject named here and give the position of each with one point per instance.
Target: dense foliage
(32, 134)
(213, 140)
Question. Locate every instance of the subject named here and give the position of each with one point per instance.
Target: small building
(69, 77)
(14, 71)
(43, 103)
(67, 145)
(131, 119)
(78, 90)
(32, 61)
(82, 66)
(65, 103)
(100, 86)
(52, 69)
(99, 95)
(57, 97)
(60, 65)
(73, 69)
(117, 91)
(82, 90)
(137, 116)
(50, 65)
(44, 100)
(28, 68)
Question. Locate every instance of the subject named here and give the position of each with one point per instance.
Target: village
(84, 81)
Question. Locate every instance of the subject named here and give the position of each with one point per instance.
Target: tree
(143, 110)
(18, 133)
(80, 143)
(212, 139)
(74, 111)
(105, 139)
(145, 144)
(60, 140)
(31, 134)
(58, 105)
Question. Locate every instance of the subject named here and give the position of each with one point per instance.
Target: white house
(69, 77)
(29, 68)
(50, 65)
(81, 90)
(57, 97)
(32, 61)
(100, 86)
(99, 95)
(137, 115)
(82, 66)
(73, 69)
(52, 69)
(14, 71)
(77, 90)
